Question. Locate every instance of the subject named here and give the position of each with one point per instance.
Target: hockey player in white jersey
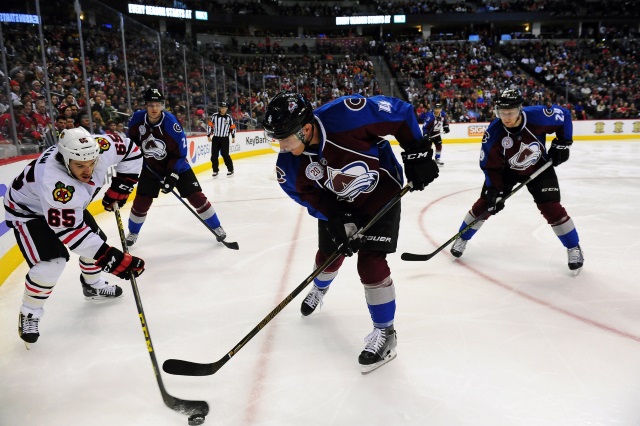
(46, 207)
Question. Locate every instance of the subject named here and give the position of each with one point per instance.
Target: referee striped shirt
(221, 126)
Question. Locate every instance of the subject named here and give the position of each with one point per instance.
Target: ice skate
(439, 162)
(380, 349)
(28, 322)
(215, 174)
(576, 260)
(219, 233)
(458, 247)
(102, 290)
(230, 173)
(131, 239)
(313, 300)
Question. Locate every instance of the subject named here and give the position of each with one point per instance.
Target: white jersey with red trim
(45, 189)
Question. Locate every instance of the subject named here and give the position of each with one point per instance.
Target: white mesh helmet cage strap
(77, 144)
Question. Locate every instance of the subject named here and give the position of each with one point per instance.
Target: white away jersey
(44, 189)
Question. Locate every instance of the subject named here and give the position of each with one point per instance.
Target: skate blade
(27, 345)
(100, 299)
(576, 272)
(366, 369)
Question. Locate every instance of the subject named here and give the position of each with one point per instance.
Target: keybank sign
(257, 140)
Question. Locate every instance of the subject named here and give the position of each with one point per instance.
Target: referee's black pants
(220, 146)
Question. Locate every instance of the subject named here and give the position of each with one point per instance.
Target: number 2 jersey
(45, 190)
(353, 168)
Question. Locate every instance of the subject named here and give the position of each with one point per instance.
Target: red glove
(119, 191)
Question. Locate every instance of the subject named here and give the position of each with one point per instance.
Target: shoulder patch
(63, 193)
(177, 128)
(103, 143)
(548, 112)
(355, 104)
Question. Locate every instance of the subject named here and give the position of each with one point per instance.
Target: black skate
(379, 350)
(313, 300)
(28, 326)
(576, 260)
(106, 291)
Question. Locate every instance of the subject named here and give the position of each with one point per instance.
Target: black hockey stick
(422, 257)
(187, 368)
(231, 245)
(180, 405)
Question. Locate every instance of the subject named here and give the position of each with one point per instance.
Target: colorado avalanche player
(435, 123)
(46, 207)
(513, 148)
(164, 146)
(335, 163)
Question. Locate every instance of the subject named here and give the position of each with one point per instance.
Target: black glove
(446, 129)
(419, 167)
(119, 191)
(559, 151)
(494, 199)
(169, 182)
(341, 228)
(120, 264)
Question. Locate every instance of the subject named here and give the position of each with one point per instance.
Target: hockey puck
(196, 419)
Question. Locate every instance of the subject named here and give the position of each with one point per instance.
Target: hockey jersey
(45, 189)
(164, 144)
(434, 125)
(522, 151)
(353, 168)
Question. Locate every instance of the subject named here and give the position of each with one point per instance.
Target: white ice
(504, 335)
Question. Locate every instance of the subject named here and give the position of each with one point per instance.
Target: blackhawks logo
(104, 144)
(63, 193)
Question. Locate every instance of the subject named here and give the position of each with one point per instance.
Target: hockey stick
(422, 257)
(230, 245)
(180, 405)
(187, 368)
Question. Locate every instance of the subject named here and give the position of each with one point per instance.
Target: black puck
(196, 419)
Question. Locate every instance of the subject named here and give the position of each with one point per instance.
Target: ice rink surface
(504, 335)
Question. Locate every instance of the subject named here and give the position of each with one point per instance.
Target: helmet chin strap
(300, 136)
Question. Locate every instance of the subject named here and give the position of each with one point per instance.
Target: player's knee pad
(553, 212)
(332, 269)
(47, 272)
(141, 205)
(373, 268)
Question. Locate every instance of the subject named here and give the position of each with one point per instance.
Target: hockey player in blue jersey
(164, 145)
(435, 124)
(335, 163)
(513, 148)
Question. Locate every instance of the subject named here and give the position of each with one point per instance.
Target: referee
(220, 126)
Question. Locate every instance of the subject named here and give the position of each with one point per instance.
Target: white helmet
(77, 144)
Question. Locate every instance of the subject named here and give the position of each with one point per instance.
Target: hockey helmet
(510, 98)
(153, 94)
(437, 106)
(77, 144)
(286, 114)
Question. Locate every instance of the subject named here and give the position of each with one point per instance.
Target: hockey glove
(559, 151)
(419, 167)
(120, 264)
(169, 182)
(446, 129)
(341, 228)
(494, 199)
(119, 191)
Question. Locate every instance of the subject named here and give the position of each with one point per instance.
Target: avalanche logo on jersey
(355, 104)
(351, 180)
(104, 144)
(280, 175)
(154, 148)
(62, 193)
(527, 156)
